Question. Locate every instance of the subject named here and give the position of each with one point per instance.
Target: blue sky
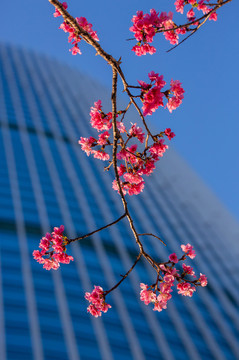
(206, 125)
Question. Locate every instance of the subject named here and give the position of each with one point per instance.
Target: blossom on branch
(99, 120)
(57, 12)
(177, 91)
(203, 280)
(74, 37)
(188, 249)
(146, 26)
(53, 250)
(97, 300)
(173, 258)
(136, 164)
(169, 133)
(159, 293)
(186, 289)
(87, 144)
(152, 95)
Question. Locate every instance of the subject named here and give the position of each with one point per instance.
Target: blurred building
(46, 180)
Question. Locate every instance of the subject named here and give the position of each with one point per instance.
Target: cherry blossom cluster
(152, 95)
(199, 5)
(101, 122)
(97, 300)
(146, 26)
(73, 37)
(53, 250)
(159, 293)
(135, 163)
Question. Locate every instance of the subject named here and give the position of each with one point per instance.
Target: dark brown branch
(116, 69)
(114, 157)
(217, 6)
(108, 58)
(204, 18)
(182, 41)
(126, 109)
(153, 236)
(125, 276)
(193, 32)
(95, 231)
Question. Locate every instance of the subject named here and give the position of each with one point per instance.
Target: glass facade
(46, 180)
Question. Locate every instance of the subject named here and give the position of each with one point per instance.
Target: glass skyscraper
(46, 180)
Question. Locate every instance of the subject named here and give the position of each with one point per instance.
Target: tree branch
(125, 276)
(95, 231)
(153, 236)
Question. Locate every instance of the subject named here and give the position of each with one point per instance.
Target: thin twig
(204, 18)
(126, 109)
(182, 41)
(125, 276)
(95, 231)
(114, 158)
(153, 236)
(193, 32)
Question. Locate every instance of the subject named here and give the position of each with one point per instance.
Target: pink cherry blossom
(93, 310)
(161, 302)
(116, 187)
(120, 127)
(53, 250)
(158, 148)
(134, 189)
(159, 293)
(87, 27)
(169, 278)
(152, 99)
(177, 91)
(144, 49)
(152, 96)
(103, 138)
(203, 7)
(74, 37)
(181, 30)
(75, 50)
(99, 120)
(137, 132)
(213, 16)
(188, 270)
(147, 296)
(173, 257)
(133, 178)
(121, 169)
(186, 289)
(57, 13)
(86, 144)
(100, 154)
(97, 300)
(38, 256)
(203, 280)
(191, 15)
(188, 249)
(145, 27)
(169, 133)
(179, 4)
(170, 35)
